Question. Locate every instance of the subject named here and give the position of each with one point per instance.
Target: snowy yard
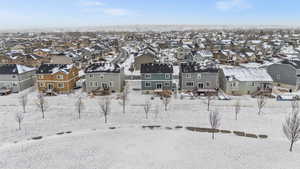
(93, 145)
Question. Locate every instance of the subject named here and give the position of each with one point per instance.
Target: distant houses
(104, 75)
(16, 78)
(199, 77)
(56, 78)
(286, 74)
(156, 77)
(241, 81)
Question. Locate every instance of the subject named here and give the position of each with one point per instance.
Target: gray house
(16, 77)
(196, 76)
(286, 74)
(241, 81)
(104, 75)
(156, 77)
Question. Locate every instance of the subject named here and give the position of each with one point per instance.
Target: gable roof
(14, 69)
(247, 74)
(293, 63)
(54, 68)
(195, 67)
(103, 67)
(156, 68)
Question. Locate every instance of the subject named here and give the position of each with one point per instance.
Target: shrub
(168, 128)
(60, 133)
(239, 133)
(112, 128)
(37, 138)
(225, 131)
(262, 136)
(68, 132)
(251, 135)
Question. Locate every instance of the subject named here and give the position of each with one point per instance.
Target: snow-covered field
(93, 145)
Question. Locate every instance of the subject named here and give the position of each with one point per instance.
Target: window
(148, 84)
(61, 85)
(278, 76)
(96, 84)
(14, 76)
(167, 76)
(101, 76)
(167, 84)
(252, 83)
(148, 76)
(60, 76)
(91, 76)
(91, 84)
(188, 75)
(234, 84)
(207, 84)
(199, 76)
(42, 84)
(104, 86)
(189, 84)
(41, 76)
(110, 84)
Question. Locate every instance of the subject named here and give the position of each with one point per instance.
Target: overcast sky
(70, 13)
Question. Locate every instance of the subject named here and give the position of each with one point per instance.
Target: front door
(50, 86)
(200, 85)
(104, 86)
(158, 86)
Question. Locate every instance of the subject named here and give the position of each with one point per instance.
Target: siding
(283, 73)
(211, 78)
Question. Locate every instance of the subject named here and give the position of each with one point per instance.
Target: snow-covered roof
(247, 74)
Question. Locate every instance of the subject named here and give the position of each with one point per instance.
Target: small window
(207, 84)
(91, 84)
(252, 83)
(148, 84)
(42, 84)
(61, 85)
(148, 76)
(167, 84)
(60, 76)
(91, 76)
(110, 84)
(96, 84)
(167, 76)
(14, 76)
(189, 84)
(41, 76)
(188, 75)
(101, 76)
(278, 76)
(199, 76)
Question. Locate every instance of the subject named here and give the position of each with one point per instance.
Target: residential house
(143, 58)
(156, 77)
(16, 77)
(197, 76)
(240, 81)
(286, 73)
(57, 78)
(104, 75)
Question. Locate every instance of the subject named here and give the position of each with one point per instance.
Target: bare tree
(215, 121)
(295, 105)
(147, 107)
(19, 118)
(104, 104)
(79, 105)
(291, 128)
(261, 102)
(208, 100)
(156, 111)
(41, 103)
(23, 101)
(237, 108)
(124, 97)
(166, 101)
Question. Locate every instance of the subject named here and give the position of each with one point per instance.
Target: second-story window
(60, 77)
(199, 76)
(147, 76)
(167, 76)
(188, 75)
(41, 76)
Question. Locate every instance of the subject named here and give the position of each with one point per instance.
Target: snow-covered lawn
(92, 145)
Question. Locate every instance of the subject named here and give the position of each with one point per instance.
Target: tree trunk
(291, 146)
(213, 135)
(105, 119)
(235, 116)
(19, 125)
(123, 106)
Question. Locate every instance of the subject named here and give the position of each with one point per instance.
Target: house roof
(294, 63)
(103, 67)
(54, 68)
(198, 68)
(247, 74)
(14, 69)
(156, 68)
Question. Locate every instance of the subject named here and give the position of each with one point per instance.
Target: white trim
(55, 81)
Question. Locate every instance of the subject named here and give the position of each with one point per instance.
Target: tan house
(57, 78)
